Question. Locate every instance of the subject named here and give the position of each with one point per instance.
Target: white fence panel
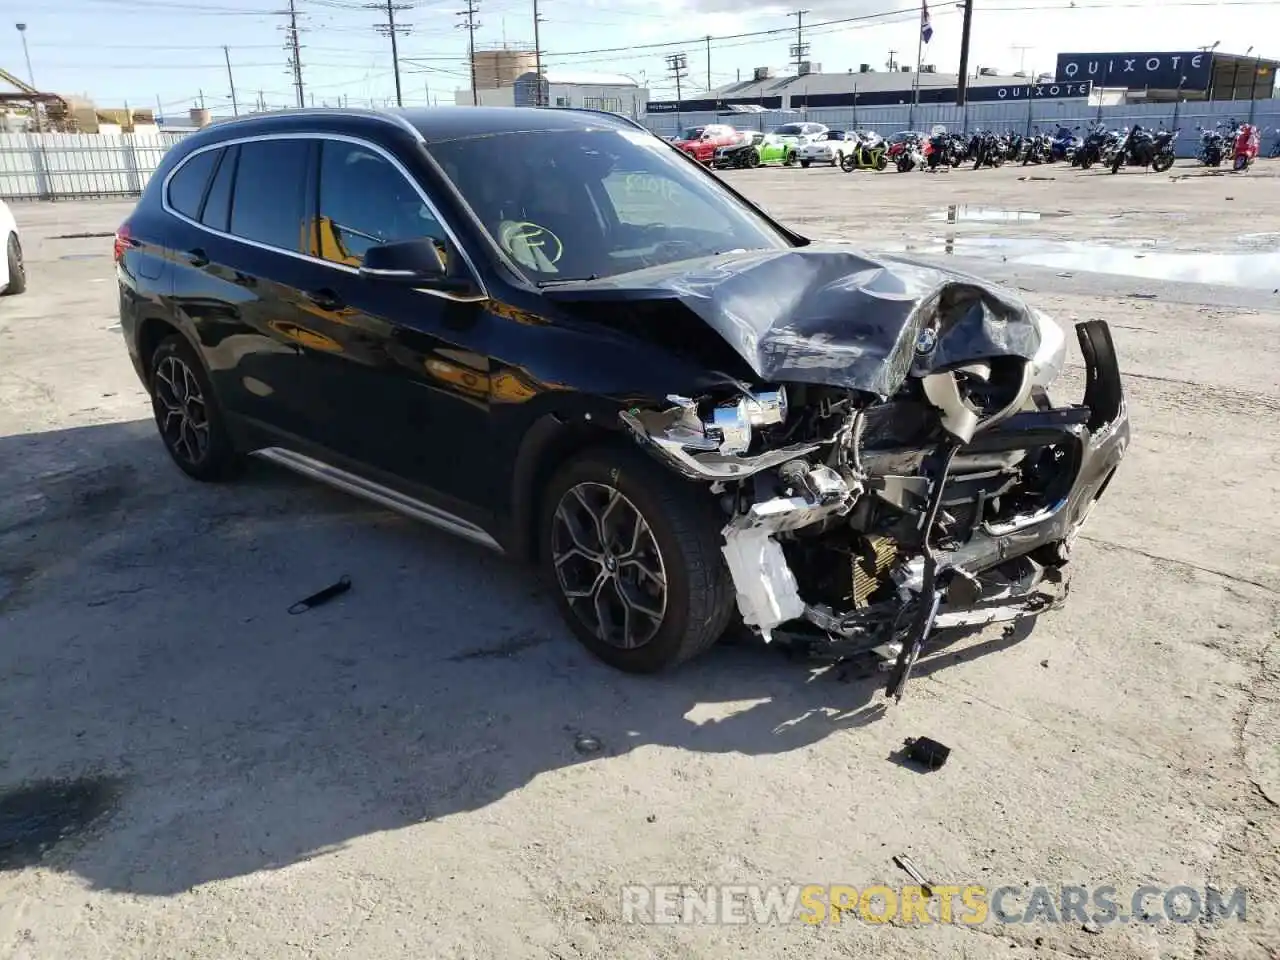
(64, 166)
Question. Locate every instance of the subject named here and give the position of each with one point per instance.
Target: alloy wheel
(181, 411)
(608, 565)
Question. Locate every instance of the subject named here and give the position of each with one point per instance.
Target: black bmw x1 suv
(550, 333)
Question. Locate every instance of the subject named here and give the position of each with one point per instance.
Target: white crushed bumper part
(768, 594)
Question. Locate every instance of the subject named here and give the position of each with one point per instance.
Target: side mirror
(412, 263)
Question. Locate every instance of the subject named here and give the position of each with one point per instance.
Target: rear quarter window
(187, 185)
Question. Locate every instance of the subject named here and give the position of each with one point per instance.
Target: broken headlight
(731, 423)
(1052, 354)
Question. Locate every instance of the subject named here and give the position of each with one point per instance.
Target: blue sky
(144, 51)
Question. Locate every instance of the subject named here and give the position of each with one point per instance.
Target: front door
(399, 376)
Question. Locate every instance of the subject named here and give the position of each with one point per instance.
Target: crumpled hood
(826, 314)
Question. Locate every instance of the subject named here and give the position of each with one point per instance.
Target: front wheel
(789, 160)
(633, 554)
(1117, 163)
(804, 164)
(1162, 162)
(17, 268)
(848, 163)
(1242, 163)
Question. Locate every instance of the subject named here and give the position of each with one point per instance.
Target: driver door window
(363, 201)
(643, 199)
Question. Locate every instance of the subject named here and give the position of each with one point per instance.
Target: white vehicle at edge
(829, 147)
(13, 271)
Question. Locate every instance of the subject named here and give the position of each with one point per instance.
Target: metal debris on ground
(587, 744)
(322, 596)
(903, 862)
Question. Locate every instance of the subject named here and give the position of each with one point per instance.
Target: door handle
(325, 299)
(197, 257)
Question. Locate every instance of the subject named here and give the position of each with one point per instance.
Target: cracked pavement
(395, 773)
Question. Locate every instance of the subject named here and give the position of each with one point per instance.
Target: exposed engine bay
(869, 520)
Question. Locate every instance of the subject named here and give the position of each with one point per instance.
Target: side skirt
(377, 493)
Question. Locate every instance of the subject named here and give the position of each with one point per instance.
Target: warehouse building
(505, 87)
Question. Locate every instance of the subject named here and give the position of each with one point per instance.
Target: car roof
(431, 123)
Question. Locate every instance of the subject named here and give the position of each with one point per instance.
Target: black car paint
(440, 402)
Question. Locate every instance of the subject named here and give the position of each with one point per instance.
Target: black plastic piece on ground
(928, 753)
(322, 596)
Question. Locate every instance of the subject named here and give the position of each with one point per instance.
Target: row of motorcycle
(1132, 146)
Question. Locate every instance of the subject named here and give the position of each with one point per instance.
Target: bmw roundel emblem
(927, 340)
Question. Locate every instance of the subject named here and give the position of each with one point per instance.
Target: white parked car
(828, 148)
(13, 273)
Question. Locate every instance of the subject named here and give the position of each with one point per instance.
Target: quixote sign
(1138, 71)
(1024, 91)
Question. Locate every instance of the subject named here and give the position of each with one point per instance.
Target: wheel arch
(550, 440)
(154, 330)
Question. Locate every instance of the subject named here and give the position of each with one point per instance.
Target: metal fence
(65, 166)
(1017, 116)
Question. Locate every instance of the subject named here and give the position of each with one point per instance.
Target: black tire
(882, 162)
(1162, 162)
(804, 164)
(17, 267)
(753, 160)
(1116, 163)
(789, 159)
(848, 163)
(171, 370)
(685, 523)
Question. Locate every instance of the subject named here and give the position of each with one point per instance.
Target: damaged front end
(869, 521)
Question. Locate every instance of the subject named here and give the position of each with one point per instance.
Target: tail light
(124, 240)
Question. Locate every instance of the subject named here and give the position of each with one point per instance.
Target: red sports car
(701, 142)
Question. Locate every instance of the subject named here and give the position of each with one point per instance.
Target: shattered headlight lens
(1051, 356)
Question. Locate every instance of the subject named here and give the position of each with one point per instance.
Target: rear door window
(186, 187)
(217, 205)
(269, 205)
(365, 200)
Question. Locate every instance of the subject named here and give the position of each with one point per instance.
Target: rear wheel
(17, 268)
(633, 553)
(753, 159)
(804, 164)
(1162, 162)
(789, 160)
(187, 413)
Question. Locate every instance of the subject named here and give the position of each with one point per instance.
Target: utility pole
(295, 51)
(235, 105)
(201, 99)
(891, 64)
(962, 81)
(799, 50)
(678, 66)
(470, 24)
(22, 32)
(537, 53)
(708, 62)
(390, 29)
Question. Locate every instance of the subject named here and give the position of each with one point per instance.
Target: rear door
(240, 274)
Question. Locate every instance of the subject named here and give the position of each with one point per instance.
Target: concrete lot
(398, 773)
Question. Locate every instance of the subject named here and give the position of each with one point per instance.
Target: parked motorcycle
(1214, 143)
(946, 150)
(1064, 145)
(1246, 147)
(987, 149)
(868, 153)
(1036, 149)
(1142, 148)
(907, 154)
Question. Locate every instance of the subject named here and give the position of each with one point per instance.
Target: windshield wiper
(552, 283)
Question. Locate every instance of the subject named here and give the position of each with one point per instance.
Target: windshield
(789, 130)
(693, 133)
(584, 204)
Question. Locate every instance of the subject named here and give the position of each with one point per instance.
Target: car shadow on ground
(145, 645)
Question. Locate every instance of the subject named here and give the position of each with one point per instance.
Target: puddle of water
(963, 213)
(1259, 270)
(38, 816)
